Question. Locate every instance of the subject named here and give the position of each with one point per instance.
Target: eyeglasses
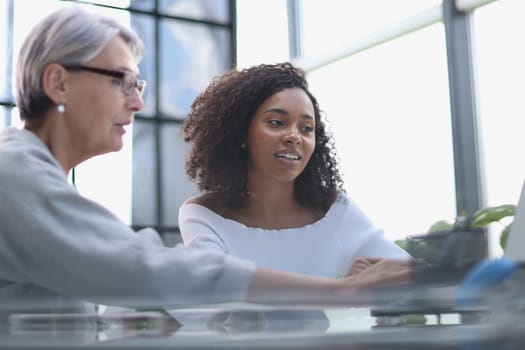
(128, 81)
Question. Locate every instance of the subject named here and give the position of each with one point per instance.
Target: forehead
(293, 99)
(116, 55)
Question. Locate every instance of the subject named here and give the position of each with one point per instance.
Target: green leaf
(402, 243)
(441, 225)
(504, 235)
(489, 215)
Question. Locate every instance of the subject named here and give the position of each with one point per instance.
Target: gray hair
(71, 35)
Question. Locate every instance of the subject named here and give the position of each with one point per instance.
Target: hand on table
(370, 272)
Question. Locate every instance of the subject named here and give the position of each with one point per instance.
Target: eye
(129, 82)
(116, 81)
(308, 128)
(275, 122)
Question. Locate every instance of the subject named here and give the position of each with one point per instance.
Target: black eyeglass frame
(139, 84)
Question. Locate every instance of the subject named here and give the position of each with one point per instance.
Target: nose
(134, 101)
(292, 136)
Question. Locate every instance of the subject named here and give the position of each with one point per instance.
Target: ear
(53, 82)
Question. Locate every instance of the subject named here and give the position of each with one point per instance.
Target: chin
(113, 151)
(115, 147)
(290, 178)
(117, 144)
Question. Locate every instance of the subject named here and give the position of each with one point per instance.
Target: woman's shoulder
(341, 200)
(213, 201)
(344, 208)
(23, 155)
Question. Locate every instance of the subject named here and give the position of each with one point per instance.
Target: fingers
(358, 266)
(361, 264)
(394, 274)
(383, 271)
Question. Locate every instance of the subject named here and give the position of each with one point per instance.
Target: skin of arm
(272, 286)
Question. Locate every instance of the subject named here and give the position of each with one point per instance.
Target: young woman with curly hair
(272, 192)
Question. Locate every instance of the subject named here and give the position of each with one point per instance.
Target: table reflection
(248, 326)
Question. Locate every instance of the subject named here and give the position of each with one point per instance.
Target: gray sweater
(59, 249)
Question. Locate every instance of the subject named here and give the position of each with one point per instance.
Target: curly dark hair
(218, 123)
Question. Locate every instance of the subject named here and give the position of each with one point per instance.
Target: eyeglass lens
(130, 82)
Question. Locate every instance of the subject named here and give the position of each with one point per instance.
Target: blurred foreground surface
(403, 317)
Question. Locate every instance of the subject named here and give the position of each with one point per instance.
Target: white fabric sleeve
(196, 229)
(363, 238)
(379, 246)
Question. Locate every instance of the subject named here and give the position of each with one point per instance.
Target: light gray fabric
(57, 247)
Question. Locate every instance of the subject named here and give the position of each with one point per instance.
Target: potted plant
(501, 214)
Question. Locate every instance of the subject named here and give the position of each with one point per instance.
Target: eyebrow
(127, 69)
(283, 112)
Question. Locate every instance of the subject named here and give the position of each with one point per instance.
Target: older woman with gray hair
(78, 88)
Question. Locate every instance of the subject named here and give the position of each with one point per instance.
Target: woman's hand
(361, 264)
(371, 272)
(272, 286)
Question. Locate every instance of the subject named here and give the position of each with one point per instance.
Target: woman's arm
(281, 287)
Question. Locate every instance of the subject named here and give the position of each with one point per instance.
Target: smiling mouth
(288, 156)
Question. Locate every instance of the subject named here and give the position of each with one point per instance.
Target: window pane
(389, 110)
(214, 10)
(13, 118)
(176, 186)
(115, 3)
(107, 179)
(500, 55)
(187, 65)
(145, 5)
(144, 174)
(144, 25)
(351, 20)
(9, 117)
(257, 45)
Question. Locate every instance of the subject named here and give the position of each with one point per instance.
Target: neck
(271, 196)
(53, 133)
(270, 204)
(274, 206)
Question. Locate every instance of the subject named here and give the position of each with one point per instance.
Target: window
(262, 32)
(500, 58)
(389, 112)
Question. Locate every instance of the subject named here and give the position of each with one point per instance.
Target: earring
(243, 145)
(61, 108)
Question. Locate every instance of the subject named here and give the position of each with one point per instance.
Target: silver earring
(61, 108)
(243, 145)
